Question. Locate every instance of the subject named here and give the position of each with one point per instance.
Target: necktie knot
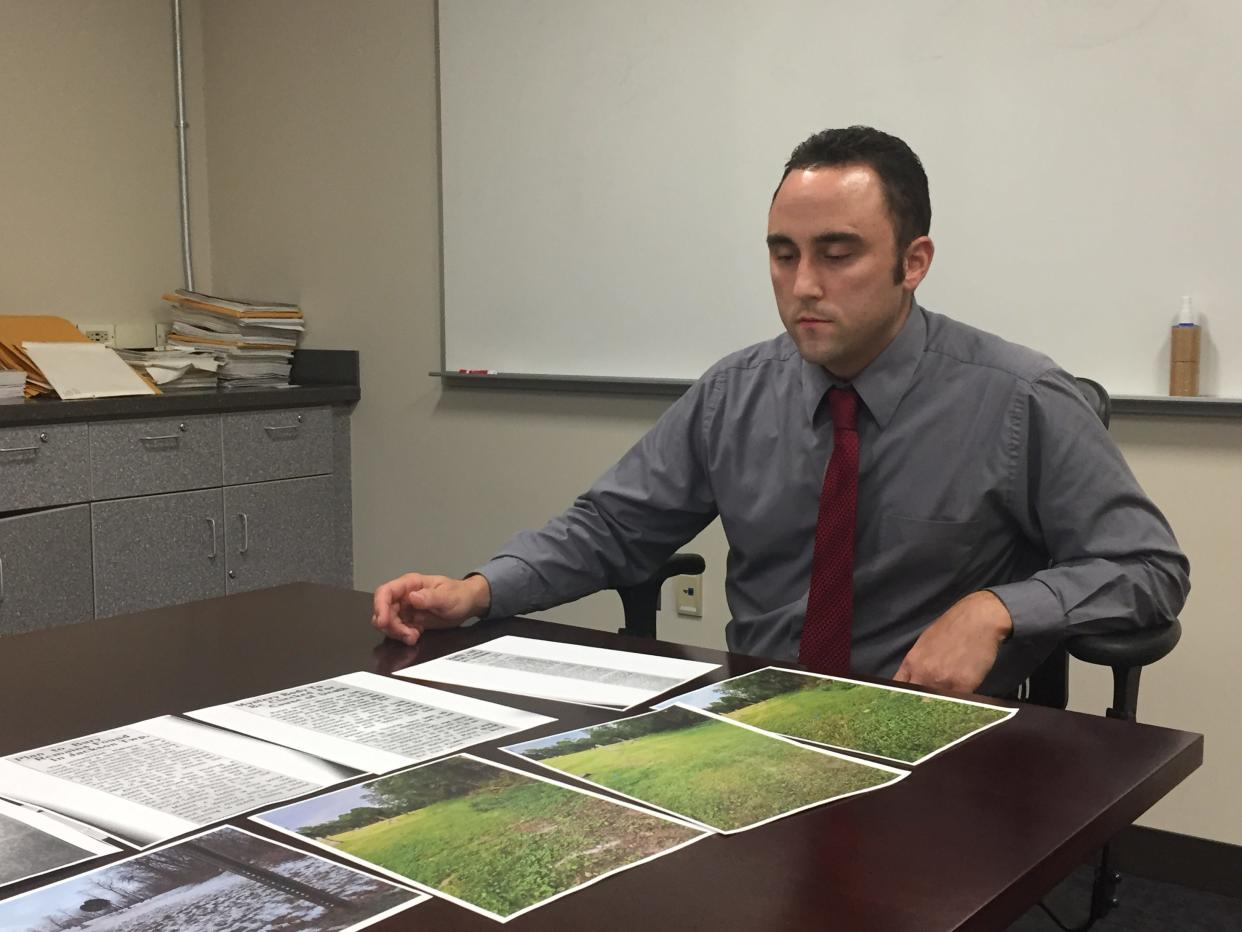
(843, 405)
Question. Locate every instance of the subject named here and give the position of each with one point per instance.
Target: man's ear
(917, 261)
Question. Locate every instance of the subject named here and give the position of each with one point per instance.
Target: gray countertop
(322, 377)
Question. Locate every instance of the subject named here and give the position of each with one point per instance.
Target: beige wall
(91, 222)
(322, 161)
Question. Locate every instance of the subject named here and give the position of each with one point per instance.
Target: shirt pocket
(933, 550)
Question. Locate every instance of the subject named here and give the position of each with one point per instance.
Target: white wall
(322, 161)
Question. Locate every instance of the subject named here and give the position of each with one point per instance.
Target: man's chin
(817, 354)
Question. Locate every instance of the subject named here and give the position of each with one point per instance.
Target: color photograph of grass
(487, 836)
(706, 769)
(899, 725)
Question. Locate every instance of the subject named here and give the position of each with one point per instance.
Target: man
(903, 495)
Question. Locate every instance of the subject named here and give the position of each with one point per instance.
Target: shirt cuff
(512, 582)
(1033, 607)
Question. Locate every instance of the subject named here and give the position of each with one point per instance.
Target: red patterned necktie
(825, 645)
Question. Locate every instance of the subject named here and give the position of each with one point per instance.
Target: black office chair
(1126, 653)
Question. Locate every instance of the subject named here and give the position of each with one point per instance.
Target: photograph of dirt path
(896, 724)
(489, 837)
(707, 769)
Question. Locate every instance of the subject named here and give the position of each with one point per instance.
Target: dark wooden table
(969, 841)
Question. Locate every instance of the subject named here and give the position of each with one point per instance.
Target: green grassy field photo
(901, 726)
(702, 768)
(486, 835)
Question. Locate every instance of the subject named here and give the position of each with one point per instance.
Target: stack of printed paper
(254, 341)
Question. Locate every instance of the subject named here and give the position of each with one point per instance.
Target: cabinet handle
(1, 579)
(245, 523)
(180, 427)
(42, 439)
(271, 429)
(212, 524)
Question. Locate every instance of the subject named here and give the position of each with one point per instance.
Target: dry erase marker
(477, 372)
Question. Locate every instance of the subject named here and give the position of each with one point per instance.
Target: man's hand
(957, 650)
(410, 603)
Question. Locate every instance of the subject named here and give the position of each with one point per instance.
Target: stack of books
(253, 341)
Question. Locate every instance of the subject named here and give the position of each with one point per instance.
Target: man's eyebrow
(828, 239)
(822, 239)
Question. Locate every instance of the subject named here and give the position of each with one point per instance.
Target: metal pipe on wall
(182, 172)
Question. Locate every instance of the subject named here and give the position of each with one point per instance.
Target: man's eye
(783, 257)
(837, 256)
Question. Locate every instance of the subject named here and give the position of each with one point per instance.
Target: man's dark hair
(899, 169)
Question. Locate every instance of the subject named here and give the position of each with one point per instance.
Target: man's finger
(903, 674)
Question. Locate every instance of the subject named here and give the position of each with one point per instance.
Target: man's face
(833, 254)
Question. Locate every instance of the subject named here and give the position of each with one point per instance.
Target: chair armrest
(642, 601)
(679, 564)
(1127, 648)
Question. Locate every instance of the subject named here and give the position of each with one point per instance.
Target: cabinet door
(158, 550)
(280, 532)
(45, 569)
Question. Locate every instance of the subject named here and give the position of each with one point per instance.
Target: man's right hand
(410, 603)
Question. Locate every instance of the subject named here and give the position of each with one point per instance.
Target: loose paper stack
(12, 385)
(253, 341)
(86, 370)
(174, 370)
(17, 329)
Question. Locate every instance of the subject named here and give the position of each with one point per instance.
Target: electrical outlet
(689, 595)
(99, 333)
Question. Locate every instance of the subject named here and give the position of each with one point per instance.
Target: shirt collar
(884, 382)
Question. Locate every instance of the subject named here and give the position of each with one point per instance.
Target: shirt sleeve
(623, 528)
(1114, 563)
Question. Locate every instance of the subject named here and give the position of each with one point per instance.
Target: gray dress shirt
(981, 466)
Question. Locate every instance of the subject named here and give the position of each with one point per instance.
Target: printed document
(162, 777)
(369, 722)
(614, 679)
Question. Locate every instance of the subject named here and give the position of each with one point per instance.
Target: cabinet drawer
(167, 454)
(43, 465)
(280, 444)
(45, 569)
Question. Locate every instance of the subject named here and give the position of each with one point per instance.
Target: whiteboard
(607, 168)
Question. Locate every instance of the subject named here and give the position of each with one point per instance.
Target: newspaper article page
(149, 781)
(597, 676)
(370, 722)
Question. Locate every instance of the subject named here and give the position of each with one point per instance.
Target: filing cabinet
(169, 509)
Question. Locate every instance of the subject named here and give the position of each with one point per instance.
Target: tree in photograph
(674, 718)
(759, 687)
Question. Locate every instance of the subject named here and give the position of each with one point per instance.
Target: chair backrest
(1048, 684)
(1097, 397)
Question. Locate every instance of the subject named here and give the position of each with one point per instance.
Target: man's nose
(806, 284)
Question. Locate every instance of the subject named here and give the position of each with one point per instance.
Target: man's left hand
(957, 650)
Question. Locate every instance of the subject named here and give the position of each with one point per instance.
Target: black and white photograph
(32, 843)
(224, 879)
